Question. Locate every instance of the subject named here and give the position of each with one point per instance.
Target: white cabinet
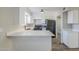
(73, 16)
(70, 17)
(76, 16)
(65, 38)
(71, 39)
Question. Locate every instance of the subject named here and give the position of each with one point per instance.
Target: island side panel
(32, 43)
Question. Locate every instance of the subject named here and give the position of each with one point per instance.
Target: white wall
(21, 15)
(9, 21)
(9, 18)
(51, 15)
(36, 16)
(45, 15)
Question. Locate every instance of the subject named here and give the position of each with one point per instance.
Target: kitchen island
(31, 40)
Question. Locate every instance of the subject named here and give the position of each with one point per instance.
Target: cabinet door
(73, 40)
(70, 17)
(65, 38)
(76, 15)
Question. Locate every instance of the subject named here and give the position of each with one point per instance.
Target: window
(27, 18)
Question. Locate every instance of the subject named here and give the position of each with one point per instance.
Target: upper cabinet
(73, 17)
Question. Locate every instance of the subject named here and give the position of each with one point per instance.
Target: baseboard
(65, 45)
(5, 49)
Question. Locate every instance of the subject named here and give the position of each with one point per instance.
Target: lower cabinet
(71, 39)
(65, 37)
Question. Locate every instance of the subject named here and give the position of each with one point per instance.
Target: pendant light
(42, 11)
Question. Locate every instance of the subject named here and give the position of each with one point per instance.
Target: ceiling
(49, 12)
(38, 9)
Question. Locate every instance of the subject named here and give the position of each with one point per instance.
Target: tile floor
(57, 46)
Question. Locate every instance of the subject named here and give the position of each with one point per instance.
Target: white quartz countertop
(31, 33)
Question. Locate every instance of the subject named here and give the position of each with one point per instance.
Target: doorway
(51, 25)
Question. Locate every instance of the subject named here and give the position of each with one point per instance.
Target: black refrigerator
(51, 26)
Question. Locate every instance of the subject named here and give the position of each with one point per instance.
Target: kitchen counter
(31, 33)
